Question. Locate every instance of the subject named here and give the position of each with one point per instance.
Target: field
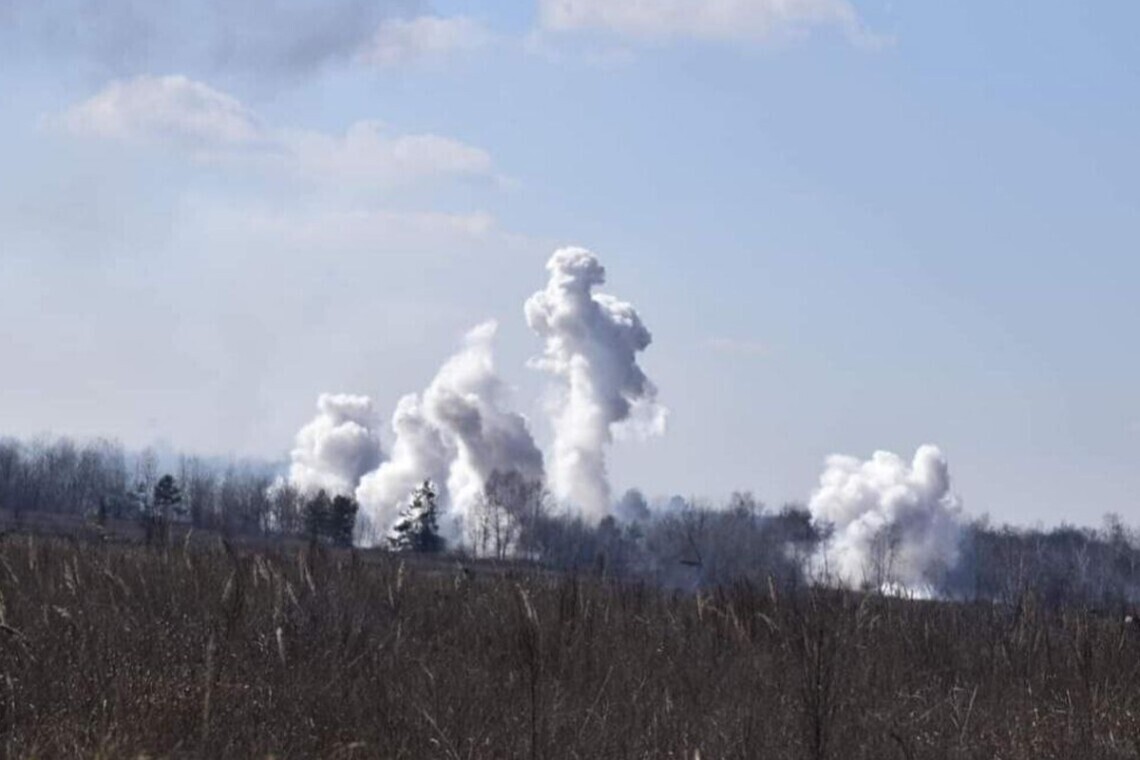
(217, 651)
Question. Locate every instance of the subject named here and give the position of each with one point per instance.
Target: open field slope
(119, 651)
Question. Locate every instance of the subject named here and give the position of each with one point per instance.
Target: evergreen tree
(167, 498)
(155, 506)
(417, 528)
(342, 519)
(317, 513)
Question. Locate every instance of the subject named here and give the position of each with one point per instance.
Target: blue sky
(850, 225)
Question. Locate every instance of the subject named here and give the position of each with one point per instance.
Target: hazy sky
(850, 226)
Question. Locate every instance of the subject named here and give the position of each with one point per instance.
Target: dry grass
(120, 651)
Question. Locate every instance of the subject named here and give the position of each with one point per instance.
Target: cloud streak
(728, 20)
(399, 42)
(179, 113)
(172, 110)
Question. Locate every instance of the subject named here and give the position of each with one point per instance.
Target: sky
(850, 225)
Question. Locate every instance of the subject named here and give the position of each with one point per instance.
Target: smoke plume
(335, 449)
(592, 342)
(456, 433)
(419, 453)
(896, 525)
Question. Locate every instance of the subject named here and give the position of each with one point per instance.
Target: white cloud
(209, 125)
(401, 41)
(169, 109)
(367, 151)
(699, 19)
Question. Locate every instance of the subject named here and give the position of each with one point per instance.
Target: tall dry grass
(114, 651)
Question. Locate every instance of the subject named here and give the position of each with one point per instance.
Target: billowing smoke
(456, 433)
(419, 453)
(466, 401)
(592, 342)
(896, 525)
(335, 449)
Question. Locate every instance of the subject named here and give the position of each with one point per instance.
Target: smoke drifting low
(896, 525)
(337, 447)
(592, 342)
(456, 433)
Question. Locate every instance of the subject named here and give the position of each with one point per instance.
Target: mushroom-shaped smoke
(592, 342)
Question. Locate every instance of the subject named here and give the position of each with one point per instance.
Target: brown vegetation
(120, 651)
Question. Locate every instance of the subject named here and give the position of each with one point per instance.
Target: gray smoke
(335, 449)
(456, 433)
(896, 525)
(592, 342)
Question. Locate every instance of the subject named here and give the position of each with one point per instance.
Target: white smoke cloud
(896, 524)
(466, 400)
(592, 342)
(335, 449)
(420, 453)
(456, 433)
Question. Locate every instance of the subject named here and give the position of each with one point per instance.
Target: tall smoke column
(455, 433)
(592, 342)
(896, 524)
(335, 449)
(466, 401)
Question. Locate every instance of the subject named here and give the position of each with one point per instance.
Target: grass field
(117, 650)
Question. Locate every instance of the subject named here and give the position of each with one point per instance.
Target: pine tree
(317, 512)
(342, 519)
(167, 497)
(156, 506)
(417, 528)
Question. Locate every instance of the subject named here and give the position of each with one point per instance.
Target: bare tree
(506, 515)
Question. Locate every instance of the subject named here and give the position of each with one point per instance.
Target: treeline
(100, 480)
(690, 544)
(1064, 565)
(680, 543)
